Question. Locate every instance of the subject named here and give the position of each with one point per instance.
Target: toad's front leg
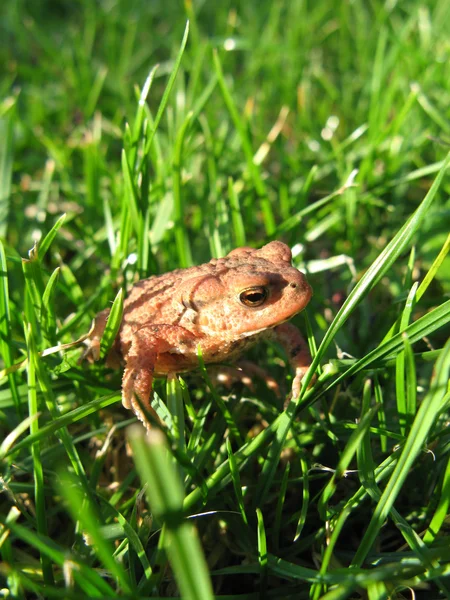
(298, 351)
(146, 352)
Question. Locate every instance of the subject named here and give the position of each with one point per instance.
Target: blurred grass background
(320, 124)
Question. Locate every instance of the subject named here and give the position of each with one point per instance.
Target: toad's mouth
(239, 335)
(244, 334)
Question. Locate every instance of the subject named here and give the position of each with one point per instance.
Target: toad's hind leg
(147, 344)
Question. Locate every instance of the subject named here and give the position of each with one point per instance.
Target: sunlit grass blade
(39, 495)
(262, 554)
(45, 384)
(112, 325)
(400, 371)
(411, 384)
(305, 500)
(165, 497)
(176, 408)
(442, 509)
(48, 310)
(236, 482)
(167, 91)
(13, 435)
(34, 285)
(182, 241)
(6, 161)
(140, 115)
(73, 288)
(431, 273)
(5, 330)
(131, 195)
(95, 91)
(45, 244)
(236, 215)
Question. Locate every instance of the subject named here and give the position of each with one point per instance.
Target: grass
(133, 144)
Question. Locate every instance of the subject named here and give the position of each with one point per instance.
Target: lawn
(143, 136)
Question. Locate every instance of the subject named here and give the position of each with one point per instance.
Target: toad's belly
(172, 362)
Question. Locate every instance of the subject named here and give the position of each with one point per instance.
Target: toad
(223, 307)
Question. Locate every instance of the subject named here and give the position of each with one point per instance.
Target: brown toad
(222, 306)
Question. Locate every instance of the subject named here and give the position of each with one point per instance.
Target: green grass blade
(140, 115)
(165, 496)
(402, 398)
(236, 482)
(131, 195)
(262, 554)
(5, 331)
(306, 500)
(441, 512)
(6, 164)
(236, 215)
(45, 244)
(48, 310)
(39, 494)
(434, 268)
(179, 211)
(167, 91)
(112, 325)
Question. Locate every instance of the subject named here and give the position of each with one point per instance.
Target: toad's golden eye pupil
(253, 297)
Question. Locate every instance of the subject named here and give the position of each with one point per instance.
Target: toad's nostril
(293, 284)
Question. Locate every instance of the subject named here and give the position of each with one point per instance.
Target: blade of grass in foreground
(372, 276)
(165, 496)
(6, 163)
(5, 331)
(39, 494)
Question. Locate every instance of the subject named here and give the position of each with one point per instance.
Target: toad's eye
(254, 296)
